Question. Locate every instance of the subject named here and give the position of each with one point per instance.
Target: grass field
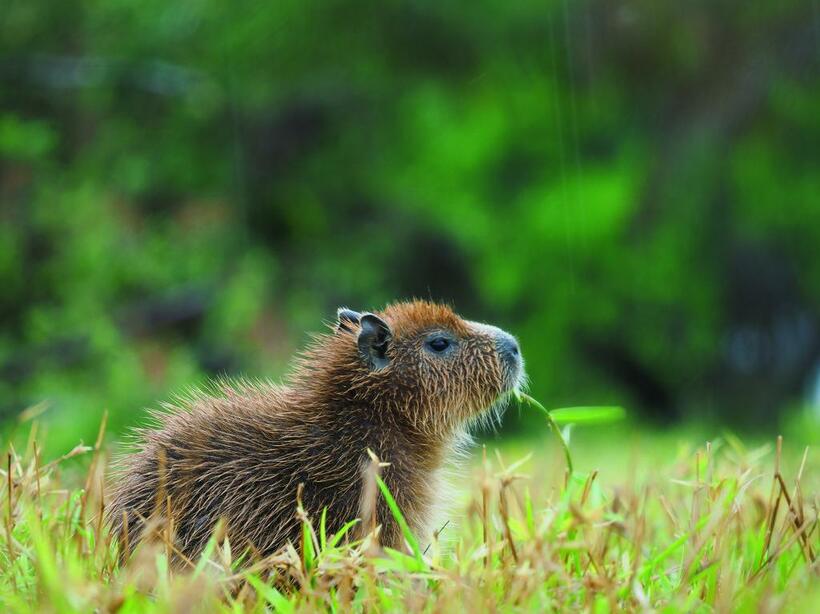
(648, 521)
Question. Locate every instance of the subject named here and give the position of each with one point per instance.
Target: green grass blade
(399, 517)
(267, 592)
(206, 555)
(587, 414)
(337, 537)
(323, 530)
(523, 397)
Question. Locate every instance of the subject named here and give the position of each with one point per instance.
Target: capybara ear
(374, 339)
(347, 318)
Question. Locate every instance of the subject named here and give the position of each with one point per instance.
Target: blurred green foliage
(631, 187)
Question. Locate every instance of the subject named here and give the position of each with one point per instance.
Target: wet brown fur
(240, 451)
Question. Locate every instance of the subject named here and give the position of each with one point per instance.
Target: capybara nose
(508, 348)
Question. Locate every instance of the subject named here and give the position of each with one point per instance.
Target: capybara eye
(438, 344)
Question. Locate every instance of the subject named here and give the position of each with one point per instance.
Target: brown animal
(404, 383)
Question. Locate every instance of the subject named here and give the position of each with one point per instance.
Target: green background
(631, 187)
